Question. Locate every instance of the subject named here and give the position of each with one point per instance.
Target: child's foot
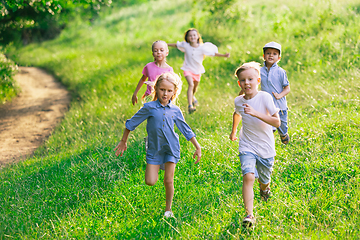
(285, 139)
(266, 194)
(195, 102)
(191, 109)
(168, 214)
(248, 221)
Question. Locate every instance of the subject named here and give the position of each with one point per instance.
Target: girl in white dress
(195, 51)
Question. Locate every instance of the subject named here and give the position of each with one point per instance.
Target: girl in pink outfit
(152, 70)
(195, 51)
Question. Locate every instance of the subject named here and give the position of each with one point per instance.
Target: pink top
(151, 71)
(194, 56)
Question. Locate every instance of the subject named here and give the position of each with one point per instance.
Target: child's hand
(233, 136)
(249, 110)
(120, 148)
(134, 99)
(198, 154)
(276, 95)
(227, 55)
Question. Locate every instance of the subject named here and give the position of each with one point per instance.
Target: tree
(41, 19)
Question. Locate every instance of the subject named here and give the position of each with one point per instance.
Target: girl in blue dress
(163, 147)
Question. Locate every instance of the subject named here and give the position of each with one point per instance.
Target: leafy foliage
(7, 86)
(37, 19)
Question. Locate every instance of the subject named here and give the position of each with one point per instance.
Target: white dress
(194, 56)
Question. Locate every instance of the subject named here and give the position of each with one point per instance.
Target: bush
(40, 20)
(8, 88)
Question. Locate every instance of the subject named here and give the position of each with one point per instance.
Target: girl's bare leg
(169, 183)
(151, 174)
(196, 84)
(248, 192)
(190, 89)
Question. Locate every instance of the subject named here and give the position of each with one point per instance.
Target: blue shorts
(261, 167)
(283, 129)
(159, 159)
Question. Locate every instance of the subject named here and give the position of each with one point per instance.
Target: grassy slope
(74, 186)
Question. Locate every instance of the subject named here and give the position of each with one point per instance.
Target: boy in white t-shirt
(258, 113)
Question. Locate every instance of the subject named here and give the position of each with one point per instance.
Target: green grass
(75, 187)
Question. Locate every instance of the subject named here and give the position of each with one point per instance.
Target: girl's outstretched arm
(172, 44)
(198, 149)
(134, 98)
(122, 146)
(222, 55)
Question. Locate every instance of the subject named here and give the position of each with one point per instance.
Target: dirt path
(27, 121)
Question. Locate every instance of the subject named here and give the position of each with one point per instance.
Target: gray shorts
(261, 167)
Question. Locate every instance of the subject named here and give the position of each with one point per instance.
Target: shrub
(8, 88)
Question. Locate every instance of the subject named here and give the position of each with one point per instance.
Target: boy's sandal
(195, 102)
(191, 109)
(285, 139)
(265, 194)
(248, 221)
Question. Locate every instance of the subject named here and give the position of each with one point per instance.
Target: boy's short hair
(273, 45)
(246, 66)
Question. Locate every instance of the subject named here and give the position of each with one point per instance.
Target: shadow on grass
(40, 192)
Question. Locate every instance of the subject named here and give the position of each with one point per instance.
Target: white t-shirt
(256, 136)
(195, 56)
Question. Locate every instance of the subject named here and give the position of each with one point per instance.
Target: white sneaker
(168, 214)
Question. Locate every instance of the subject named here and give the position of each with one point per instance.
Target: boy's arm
(284, 92)
(198, 149)
(273, 120)
(236, 121)
(134, 97)
(222, 55)
(172, 44)
(122, 146)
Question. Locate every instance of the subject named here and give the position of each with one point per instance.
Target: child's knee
(168, 181)
(150, 182)
(249, 177)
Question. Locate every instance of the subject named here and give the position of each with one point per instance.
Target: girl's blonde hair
(200, 41)
(246, 66)
(159, 41)
(172, 78)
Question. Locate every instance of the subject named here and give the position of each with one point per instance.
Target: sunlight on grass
(75, 187)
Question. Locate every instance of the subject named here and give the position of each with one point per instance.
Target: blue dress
(163, 145)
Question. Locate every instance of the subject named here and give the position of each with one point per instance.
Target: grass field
(75, 187)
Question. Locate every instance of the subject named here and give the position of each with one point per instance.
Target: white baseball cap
(274, 45)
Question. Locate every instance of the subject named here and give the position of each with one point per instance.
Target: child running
(153, 69)
(195, 51)
(275, 82)
(256, 141)
(164, 147)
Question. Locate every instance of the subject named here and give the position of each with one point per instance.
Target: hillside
(75, 187)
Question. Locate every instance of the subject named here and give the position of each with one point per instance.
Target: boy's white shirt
(256, 136)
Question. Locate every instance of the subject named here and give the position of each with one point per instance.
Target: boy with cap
(275, 82)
